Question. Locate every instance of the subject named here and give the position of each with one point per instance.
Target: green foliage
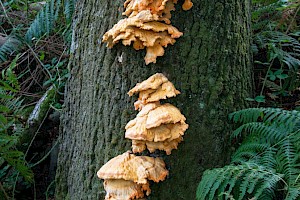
(12, 161)
(59, 75)
(266, 164)
(9, 47)
(44, 21)
(280, 46)
(30, 37)
(238, 181)
(276, 48)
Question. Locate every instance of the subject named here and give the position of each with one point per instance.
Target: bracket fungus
(161, 127)
(156, 126)
(147, 26)
(153, 89)
(126, 176)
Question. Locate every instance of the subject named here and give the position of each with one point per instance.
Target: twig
(47, 154)
(6, 14)
(292, 21)
(5, 194)
(35, 134)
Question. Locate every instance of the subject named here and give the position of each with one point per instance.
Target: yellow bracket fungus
(147, 26)
(156, 126)
(126, 176)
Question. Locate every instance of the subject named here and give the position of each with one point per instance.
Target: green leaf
(260, 99)
(278, 72)
(4, 109)
(249, 99)
(4, 96)
(282, 76)
(3, 120)
(272, 77)
(42, 56)
(7, 87)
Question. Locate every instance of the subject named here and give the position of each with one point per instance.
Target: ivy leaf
(282, 76)
(260, 99)
(278, 72)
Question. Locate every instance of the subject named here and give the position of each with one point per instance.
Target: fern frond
(208, 180)
(254, 151)
(246, 115)
(282, 46)
(287, 160)
(11, 45)
(253, 178)
(271, 133)
(44, 21)
(13, 157)
(275, 116)
(293, 193)
(267, 159)
(69, 8)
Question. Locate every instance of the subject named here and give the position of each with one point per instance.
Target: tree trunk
(211, 66)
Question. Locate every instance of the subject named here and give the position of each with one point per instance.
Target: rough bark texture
(210, 65)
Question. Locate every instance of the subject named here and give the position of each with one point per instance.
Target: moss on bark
(210, 65)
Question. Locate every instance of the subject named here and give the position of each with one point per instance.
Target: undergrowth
(34, 51)
(276, 49)
(266, 165)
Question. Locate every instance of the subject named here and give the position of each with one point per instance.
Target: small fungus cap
(153, 89)
(153, 82)
(188, 4)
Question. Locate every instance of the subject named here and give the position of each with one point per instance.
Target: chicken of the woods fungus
(147, 26)
(156, 126)
(155, 88)
(127, 176)
(160, 8)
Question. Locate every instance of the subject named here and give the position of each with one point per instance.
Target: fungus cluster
(126, 176)
(156, 127)
(147, 26)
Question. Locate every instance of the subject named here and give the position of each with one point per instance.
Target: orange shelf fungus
(153, 89)
(126, 176)
(160, 8)
(147, 27)
(143, 31)
(156, 126)
(161, 127)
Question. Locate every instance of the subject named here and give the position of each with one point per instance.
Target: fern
(69, 8)
(281, 46)
(42, 25)
(44, 21)
(252, 178)
(273, 116)
(11, 45)
(12, 161)
(267, 159)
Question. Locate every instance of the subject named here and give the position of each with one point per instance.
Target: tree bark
(211, 66)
